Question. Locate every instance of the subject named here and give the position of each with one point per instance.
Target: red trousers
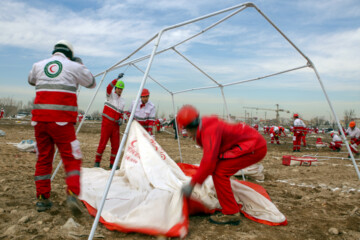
(48, 134)
(109, 130)
(354, 143)
(275, 137)
(297, 141)
(335, 145)
(228, 167)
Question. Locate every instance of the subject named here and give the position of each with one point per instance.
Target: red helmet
(352, 124)
(296, 115)
(145, 92)
(187, 116)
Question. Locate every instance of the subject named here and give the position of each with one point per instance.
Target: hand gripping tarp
(145, 192)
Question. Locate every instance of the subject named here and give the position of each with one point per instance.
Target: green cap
(120, 84)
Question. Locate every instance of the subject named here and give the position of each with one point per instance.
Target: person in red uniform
(316, 130)
(80, 117)
(299, 128)
(158, 125)
(2, 113)
(112, 119)
(282, 131)
(336, 142)
(54, 114)
(145, 112)
(274, 134)
(354, 133)
(227, 148)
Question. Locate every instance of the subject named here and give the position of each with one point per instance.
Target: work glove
(120, 122)
(120, 75)
(77, 59)
(187, 189)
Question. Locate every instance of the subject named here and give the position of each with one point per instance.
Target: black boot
(111, 166)
(43, 204)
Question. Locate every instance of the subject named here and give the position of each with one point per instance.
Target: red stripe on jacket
(58, 98)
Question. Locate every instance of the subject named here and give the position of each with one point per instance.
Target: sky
(244, 47)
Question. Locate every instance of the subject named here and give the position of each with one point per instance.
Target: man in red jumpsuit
(336, 142)
(54, 114)
(299, 128)
(2, 113)
(282, 131)
(145, 112)
(80, 117)
(158, 125)
(274, 134)
(354, 133)
(227, 148)
(112, 118)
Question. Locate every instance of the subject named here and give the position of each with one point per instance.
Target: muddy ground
(320, 202)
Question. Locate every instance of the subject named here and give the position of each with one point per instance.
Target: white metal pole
(81, 123)
(176, 128)
(108, 184)
(316, 156)
(226, 106)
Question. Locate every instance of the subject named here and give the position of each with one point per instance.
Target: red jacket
(220, 140)
(114, 105)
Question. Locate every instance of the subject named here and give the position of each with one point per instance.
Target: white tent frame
(236, 9)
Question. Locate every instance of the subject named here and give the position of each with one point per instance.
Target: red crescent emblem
(50, 68)
(133, 142)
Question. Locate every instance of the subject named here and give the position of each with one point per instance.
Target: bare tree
(96, 115)
(10, 106)
(317, 121)
(349, 115)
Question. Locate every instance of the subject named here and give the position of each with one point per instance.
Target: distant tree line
(13, 107)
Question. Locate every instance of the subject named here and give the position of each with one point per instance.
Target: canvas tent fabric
(145, 192)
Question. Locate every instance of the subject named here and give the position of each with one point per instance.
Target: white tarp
(255, 171)
(145, 192)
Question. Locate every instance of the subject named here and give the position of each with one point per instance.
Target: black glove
(120, 75)
(120, 122)
(187, 189)
(77, 59)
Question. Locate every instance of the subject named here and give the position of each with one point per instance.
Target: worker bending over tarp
(145, 194)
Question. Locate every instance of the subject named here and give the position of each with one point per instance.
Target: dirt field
(320, 202)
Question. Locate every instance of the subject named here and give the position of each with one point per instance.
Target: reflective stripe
(113, 155)
(43, 177)
(110, 118)
(56, 87)
(73, 173)
(99, 154)
(112, 85)
(144, 119)
(55, 107)
(108, 95)
(113, 107)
